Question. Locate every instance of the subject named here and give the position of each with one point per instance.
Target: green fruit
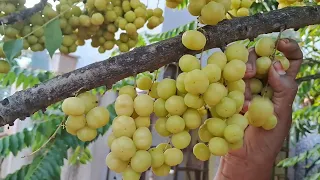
(4, 66)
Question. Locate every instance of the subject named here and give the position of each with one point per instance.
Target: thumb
(284, 88)
(277, 77)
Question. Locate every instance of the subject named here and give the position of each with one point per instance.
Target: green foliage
(263, 6)
(183, 5)
(80, 155)
(15, 143)
(49, 157)
(315, 176)
(53, 36)
(172, 33)
(315, 151)
(99, 90)
(12, 48)
(24, 77)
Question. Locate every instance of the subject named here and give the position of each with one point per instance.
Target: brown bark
(149, 58)
(308, 78)
(24, 14)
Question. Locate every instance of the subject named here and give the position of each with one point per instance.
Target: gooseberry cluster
(179, 105)
(239, 8)
(262, 93)
(209, 12)
(84, 116)
(99, 21)
(286, 3)
(173, 3)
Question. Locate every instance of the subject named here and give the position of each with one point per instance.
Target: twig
(47, 23)
(308, 78)
(135, 80)
(274, 55)
(277, 43)
(312, 60)
(24, 14)
(153, 80)
(314, 163)
(156, 76)
(177, 70)
(201, 58)
(232, 16)
(77, 92)
(43, 145)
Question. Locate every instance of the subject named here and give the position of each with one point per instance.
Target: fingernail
(249, 67)
(278, 67)
(285, 40)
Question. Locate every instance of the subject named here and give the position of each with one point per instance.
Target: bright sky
(151, 3)
(30, 3)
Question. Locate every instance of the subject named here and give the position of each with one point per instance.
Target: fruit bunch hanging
(173, 3)
(99, 21)
(239, 8)
(84, 116)
(209, 12)
(180, 104)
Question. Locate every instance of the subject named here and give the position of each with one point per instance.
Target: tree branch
(149, 58)
(308, 78)
(24, 14)
(311, 61)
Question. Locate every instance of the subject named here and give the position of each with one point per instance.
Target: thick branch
(308, 78)
(149, 58)
(24, 14)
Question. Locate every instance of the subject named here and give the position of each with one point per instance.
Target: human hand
(261, 147)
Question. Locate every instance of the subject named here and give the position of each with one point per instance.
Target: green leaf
(87, 152)
(26, 82)
(12, 48)
(33, 166)
(5, 143)
(28, 137)
(183, 5)
(13, 146)
(9, 79)
(15, 142)
(53, 36)
(73, 158)
(20, 79)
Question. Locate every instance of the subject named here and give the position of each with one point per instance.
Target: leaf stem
(43, 145)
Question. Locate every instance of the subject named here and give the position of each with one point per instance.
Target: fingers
(250, 73)
(247, 96)
(251, 64)
(276, 72)
(290, 49)
(284, 88)
(293, 53)
(284, 91)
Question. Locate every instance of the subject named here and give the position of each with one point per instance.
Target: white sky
(151, 3)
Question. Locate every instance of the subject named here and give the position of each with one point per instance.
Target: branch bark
(308, 78)
(24, 14)
(149, 58)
